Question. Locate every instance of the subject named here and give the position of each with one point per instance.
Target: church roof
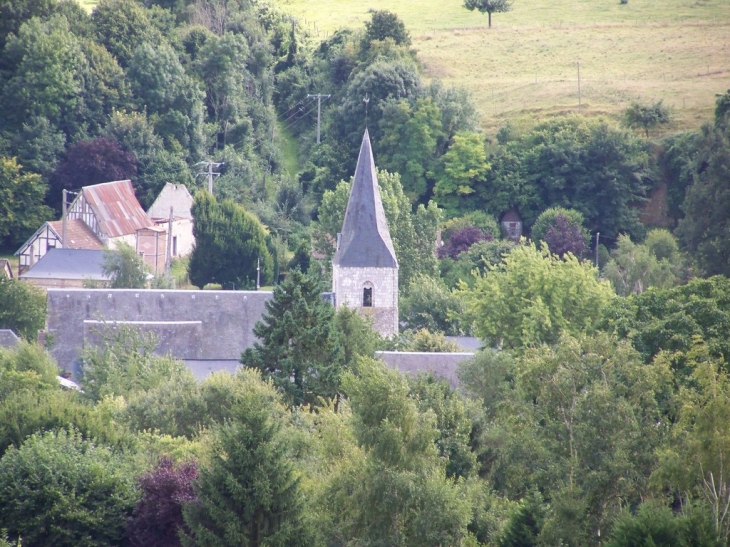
(365, 239)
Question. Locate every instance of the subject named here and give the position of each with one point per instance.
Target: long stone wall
(190, 324)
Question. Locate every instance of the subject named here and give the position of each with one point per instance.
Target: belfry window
(367, 297)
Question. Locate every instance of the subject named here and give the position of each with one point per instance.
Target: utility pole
(319, 110)
(598, 234)
(210, 173)
(64, 209)
(258, 273)
(168, 262)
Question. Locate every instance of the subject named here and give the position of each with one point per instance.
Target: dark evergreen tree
(228, 243)
(523, 527)
(297, 348)
(249, 495)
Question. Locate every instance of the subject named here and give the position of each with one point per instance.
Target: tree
(172, 98)
(58, 489)
(91, 162)
(46, 67)
(533, 296)
(548, 218)
(398, 493)
(646, 116)
(429, 304)
(563, 237)
(230, 243)
(462, 240)
(464, 167)
(124, 268)
(408, 143)
(249, 494)
(488, 6)
(704, 228)
(384, 24)
(21, 203)
(633, 269)
(121, 26)
(297, 350)
(581, 422)
(157, 520)
(577, 163)
(23, 308)
(122, 362)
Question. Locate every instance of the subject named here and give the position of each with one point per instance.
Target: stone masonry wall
(348, 284)
(190, 324)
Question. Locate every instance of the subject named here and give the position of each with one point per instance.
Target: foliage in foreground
(58, 489)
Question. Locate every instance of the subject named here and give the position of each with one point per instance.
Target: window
(367, 297)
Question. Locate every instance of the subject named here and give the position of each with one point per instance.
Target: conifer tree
(297, 349)
(229, 243)
(249, 495)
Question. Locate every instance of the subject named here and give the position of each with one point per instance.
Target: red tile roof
(116, 208)
(78, 235)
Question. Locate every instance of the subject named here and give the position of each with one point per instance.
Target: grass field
(525, 67)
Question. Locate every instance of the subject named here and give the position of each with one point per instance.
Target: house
(112, 212)
(365, 268)
(102, 215)
(66, 268)
(50, 236)
(512, 224)
(175, 200)
(5, 268)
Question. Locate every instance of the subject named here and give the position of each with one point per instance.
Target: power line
(319, 110)
(210, 173)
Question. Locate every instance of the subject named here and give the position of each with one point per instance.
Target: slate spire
(365, 239)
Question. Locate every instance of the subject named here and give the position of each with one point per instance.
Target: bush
(58, 489)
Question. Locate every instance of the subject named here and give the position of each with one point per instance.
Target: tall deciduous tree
(297, 348)
(21, 203)
(249, 493)
(229, 244)
(408, 145)
(488, 6)
(91, 162)
(633, 268)
(22, 308)
(533, 296)
(399, 494)
(464, 166)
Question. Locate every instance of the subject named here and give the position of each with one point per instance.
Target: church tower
(364, 268)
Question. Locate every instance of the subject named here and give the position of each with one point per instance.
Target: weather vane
(366, 100)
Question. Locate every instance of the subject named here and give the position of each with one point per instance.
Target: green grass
(524, 68)
(289, 149)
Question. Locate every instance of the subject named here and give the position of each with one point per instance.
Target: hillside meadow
(525, 67)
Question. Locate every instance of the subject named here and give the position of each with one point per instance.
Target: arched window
(367, 295)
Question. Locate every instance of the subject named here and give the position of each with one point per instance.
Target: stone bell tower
(364, 268)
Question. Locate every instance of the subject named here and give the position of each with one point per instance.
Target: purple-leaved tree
(565, 237)
(461, 240)
(157, 518)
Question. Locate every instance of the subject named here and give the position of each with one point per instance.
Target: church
(364, 267)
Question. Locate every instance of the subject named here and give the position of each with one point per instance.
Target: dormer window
(367, 297)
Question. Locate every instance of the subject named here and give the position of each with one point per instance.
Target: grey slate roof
(176, 196)
(68, 264)
(8, 338)
(365, 239)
